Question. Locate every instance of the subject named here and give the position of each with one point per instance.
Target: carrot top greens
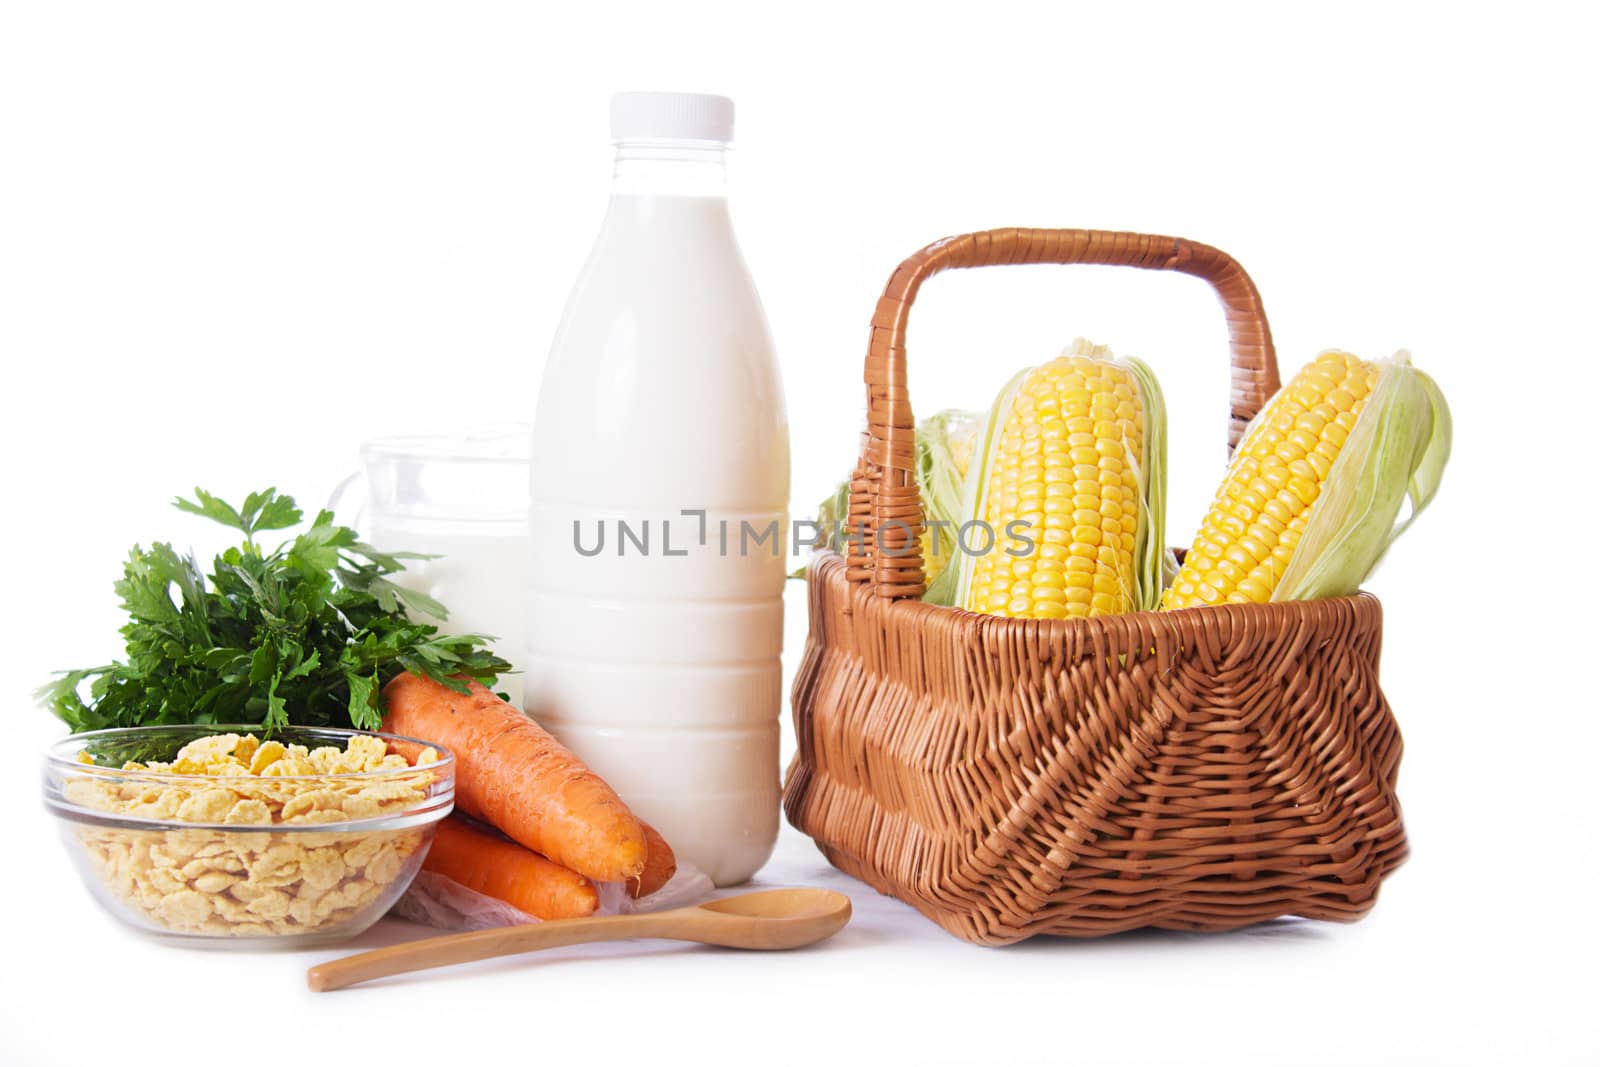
(306, 634)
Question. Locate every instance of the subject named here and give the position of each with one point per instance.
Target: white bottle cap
(671, 117)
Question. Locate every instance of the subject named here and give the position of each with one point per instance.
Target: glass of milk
(463, 498)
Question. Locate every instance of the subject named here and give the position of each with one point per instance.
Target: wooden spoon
(771, 919)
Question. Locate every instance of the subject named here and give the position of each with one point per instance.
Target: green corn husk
(830, 516)
(944, 444)
(947, 588)
(1150, 554)
(1397, 451)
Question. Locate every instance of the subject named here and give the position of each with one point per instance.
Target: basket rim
(828, 558)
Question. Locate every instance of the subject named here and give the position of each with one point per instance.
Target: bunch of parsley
(306, 634)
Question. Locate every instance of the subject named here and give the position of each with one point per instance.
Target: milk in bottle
(659, 502)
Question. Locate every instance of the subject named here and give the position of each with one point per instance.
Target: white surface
(207, 209)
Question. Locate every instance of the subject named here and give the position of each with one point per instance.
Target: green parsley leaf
(306, 634)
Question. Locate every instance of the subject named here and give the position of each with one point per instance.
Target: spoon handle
(450, 949)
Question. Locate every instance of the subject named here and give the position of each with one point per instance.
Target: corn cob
(1310, 498)
(1064, 485)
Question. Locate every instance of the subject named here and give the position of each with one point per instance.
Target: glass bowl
(239, 858)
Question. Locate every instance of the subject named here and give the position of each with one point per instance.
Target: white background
(235, 240)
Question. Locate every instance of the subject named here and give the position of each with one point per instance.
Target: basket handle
(885, 511)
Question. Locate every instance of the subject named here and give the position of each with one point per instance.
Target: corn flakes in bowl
(214, 834)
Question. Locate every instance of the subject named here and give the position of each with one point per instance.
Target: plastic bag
(434, 900)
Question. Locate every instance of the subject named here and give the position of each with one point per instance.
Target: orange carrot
(507, 871)
(659, 864)
(513, 775)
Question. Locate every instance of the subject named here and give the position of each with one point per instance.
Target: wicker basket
(1192, 770)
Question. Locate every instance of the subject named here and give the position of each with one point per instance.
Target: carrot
(659, 864)
(507, 871)
(513, 775)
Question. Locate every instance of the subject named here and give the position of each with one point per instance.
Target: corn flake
(209, 805)
(289, 764)
(248, 812)
(213, 882)
(185, 908)
(322, 869)
(367, 752)
(272, 904)
(265, 756)
(311, 800)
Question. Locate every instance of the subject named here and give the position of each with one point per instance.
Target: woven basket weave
(1193, 770)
